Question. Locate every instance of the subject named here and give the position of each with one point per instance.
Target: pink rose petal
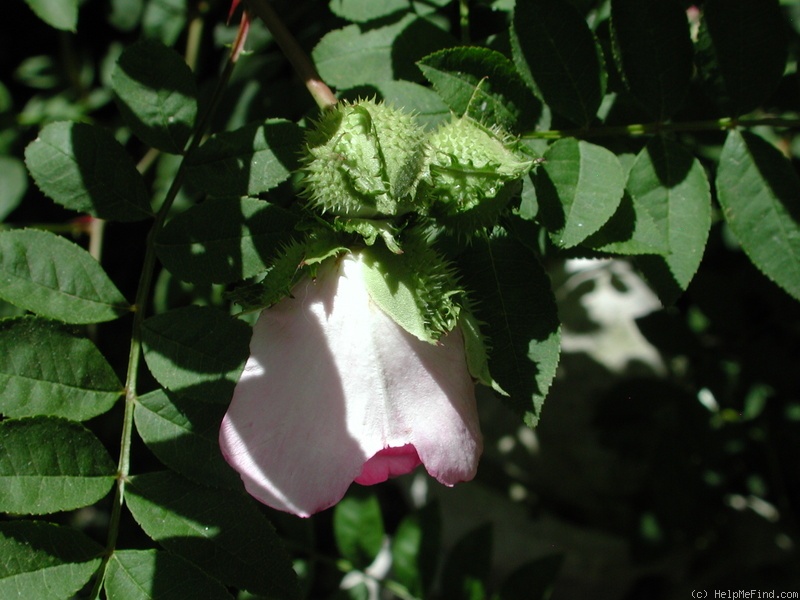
(335, 391)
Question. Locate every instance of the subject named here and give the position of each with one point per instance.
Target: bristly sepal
(418, 289)
(364, 160)
(472, 172)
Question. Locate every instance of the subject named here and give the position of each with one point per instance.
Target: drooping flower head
(367, 370)
(335, 391)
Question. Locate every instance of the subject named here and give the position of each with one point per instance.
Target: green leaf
(358, 528)
(361, 11)
(156, 94)
(222, 533)
(533, 580)
(416, 549)
(49, 465)
(557, 56)
(224, 240)
(196, 351)
(248, 161)
(468, 565)
(579, 187)
(164, 20)
(484, 84)
(158, 575)
(426, 105)
(522, 326)
(759, 191)
(44, 370)
(184, 435)
(632, 230)
(50, 276)
(13, 184)
(61, 14)
(83, 168)
(44, 561)
(747, 47)
(654, 52)
(673, 188)
(349, 57)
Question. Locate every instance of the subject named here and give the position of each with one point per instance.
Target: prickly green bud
(364, 160)
(473, 171)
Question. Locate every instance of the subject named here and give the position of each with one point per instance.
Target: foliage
(558, 154)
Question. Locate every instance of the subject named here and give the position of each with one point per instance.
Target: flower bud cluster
(369, 160)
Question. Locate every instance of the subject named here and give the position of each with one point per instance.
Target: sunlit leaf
(45, 370)
(358, 528)
(44, 561)
(361, 11)
(61, 14)
(83, 168)
(158, 575)
(13, 184)
(49, 465)
(578, 188)
(416, 549)
(759, 192)
(156, 94)
(349, 57)
(221, 532)
(50, 276)
(484, 84)
(197, 351)
(164, 20)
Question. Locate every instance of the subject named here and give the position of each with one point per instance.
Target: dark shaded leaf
(184, 435)
(221, 532)
(197, 351)
(248, 161)
(522, 326)
(156, 95)
(654, 51)
(158, 575)
(44, 561)
(83, 168)
(557, 56)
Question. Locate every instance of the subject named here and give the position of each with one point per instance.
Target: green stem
(301, 63)
(139, 309)
(655, 128)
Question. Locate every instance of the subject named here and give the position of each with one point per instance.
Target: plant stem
(301, 63)
(139, 309)
(464, 21)
(655, 128)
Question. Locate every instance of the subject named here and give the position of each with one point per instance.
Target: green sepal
(364, 160)
(371, 230)
(295, 260)
(477, 351)
(419, 289)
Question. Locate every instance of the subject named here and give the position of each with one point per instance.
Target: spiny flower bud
(364, 160)
(470, 171)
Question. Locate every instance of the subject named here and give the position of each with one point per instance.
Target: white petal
(331, 382)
